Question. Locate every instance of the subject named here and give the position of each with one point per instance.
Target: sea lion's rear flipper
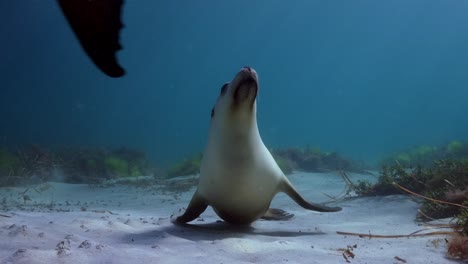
(287, 188)
(196, 206)
(277, 215)
(97, 26)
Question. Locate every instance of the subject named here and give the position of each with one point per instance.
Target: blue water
(360, 77)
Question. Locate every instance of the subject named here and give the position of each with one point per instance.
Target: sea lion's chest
(237, 173)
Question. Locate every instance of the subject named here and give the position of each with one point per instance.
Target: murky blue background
(360, 77)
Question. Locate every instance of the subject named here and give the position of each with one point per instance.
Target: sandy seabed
(73, 223)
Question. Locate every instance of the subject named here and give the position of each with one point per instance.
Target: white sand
(82, 224)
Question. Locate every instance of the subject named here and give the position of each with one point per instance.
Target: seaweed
(458, 248)
(445, 180)
(9, 163)
(95, 165)
(288, 159)
(456, 148)
(425, 155)
(314, 160)
(362, 188)
(188, 166)
(34, 165)
(462, 219)
(116, 165)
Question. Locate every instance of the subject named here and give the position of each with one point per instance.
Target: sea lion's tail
(287, 188)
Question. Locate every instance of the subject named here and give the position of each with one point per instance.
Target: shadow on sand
(211, 231)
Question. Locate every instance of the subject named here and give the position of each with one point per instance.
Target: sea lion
(238, 175)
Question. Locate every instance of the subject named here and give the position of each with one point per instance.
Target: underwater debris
(63, 247)
(362, 188)
(103, 212)
(400, 259)
(427, 198)
(43, 187)
(443, 186)
(346, 258)
(20, 252)
(414, 234)
(348, 252)
(458, 244)
(458, 248)
(24, 196)
(85, 244)
(414, 179)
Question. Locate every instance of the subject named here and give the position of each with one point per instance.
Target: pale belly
(238, 192)
(239, 182)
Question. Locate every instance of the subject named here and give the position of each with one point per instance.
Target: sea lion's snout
(247, 72)
(245, 85)
(239, 94)
(247, 68)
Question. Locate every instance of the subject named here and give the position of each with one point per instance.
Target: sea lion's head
(236, 103)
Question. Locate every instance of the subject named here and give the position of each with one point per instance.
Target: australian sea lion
(238, 176)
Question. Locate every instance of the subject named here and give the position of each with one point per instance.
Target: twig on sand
(346, 179)
(342, 195)
(332, 198)
(346, 258)
(348, 252)
(8, 216)
(103, 212)
(427, 198)
(414, 234)
(453, 226)
(425, 215)
(400, 259)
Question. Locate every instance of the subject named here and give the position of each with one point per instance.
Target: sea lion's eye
(224, 89)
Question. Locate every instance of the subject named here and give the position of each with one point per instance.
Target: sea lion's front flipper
(277, 215)
(196, 206)
(97, 25)
(287, 188)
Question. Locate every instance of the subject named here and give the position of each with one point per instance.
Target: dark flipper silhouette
(277, 215)
(97, 25)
